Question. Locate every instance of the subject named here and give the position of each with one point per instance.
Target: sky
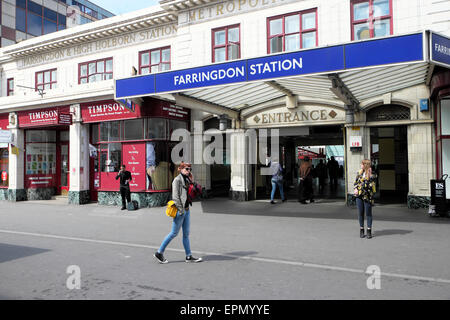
(123, 6)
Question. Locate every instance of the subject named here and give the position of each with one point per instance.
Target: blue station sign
(440, 49)
(375, 52)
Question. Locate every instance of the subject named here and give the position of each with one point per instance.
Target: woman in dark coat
(306, 181)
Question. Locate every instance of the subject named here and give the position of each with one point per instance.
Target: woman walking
(364, 191)
(180, 196)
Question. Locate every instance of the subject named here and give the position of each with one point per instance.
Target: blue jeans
(276, 183)
(364, 206)
(180, 221)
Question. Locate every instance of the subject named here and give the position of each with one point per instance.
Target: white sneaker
(192, 259)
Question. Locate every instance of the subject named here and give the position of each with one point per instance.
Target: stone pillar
(241, 174)
(16, 191)
(201, 170)
(79, 159)
(421, 160)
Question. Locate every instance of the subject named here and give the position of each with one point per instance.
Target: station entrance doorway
(323, 145)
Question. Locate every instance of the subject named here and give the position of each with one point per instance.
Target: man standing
(125, 178)
(333, 171)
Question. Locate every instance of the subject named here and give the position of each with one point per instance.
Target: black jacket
(124, 176)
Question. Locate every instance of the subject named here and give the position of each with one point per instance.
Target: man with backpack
(125, 178)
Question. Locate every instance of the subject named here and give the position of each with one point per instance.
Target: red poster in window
(134, 160)
(4, 176)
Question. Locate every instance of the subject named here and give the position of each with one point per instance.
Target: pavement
(251, 250)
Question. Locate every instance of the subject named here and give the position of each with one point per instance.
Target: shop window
(64, 136)
(133, 129)
(40, 161)
(156, 128)
(110, 131)
(371, 18)
(155, 60)
(159, 170)
(226, 43)
(40, 136)
(111, 157)
(46, 80)
(4, 172)
(94, 71)
(176, 124)
(10, 87)
(292, 31)
(94, 133)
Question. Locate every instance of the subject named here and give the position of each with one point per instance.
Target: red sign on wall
(4, 122)
(134, 160)
(64, 118)
(158, 108)
(41, 117)
(106, 111)
(34, 181)
(4, 176)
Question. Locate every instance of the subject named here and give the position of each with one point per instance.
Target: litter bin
(438, 195)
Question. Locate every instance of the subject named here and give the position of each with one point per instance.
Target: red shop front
(47, 149)
(139, 139)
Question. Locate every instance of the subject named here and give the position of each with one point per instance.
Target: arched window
(389, 112)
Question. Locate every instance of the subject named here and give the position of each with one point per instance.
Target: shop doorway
(63, 165)
(389, 155)
(320, 144)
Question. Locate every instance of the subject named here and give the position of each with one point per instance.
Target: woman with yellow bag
(182, 219)
(364, 190)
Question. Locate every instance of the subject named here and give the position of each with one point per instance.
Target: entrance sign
(368, 53)
(297, 63)
(440, 50)
(226, 73)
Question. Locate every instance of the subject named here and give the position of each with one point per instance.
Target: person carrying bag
(182, 219)
(364, 191)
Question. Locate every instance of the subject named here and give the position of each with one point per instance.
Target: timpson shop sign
(100, 45)
(303, 115)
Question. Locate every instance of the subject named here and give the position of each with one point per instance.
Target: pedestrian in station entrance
(364, 191)
(321, 170)
(333, 172)
(306, 191)
(180, 196)
(125, 178)
(277, 180)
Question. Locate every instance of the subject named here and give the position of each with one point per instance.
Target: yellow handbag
(171, 210)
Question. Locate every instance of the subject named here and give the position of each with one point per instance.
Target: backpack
(133, 205)
(194, 191)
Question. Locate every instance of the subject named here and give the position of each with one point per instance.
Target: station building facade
(69, 131)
